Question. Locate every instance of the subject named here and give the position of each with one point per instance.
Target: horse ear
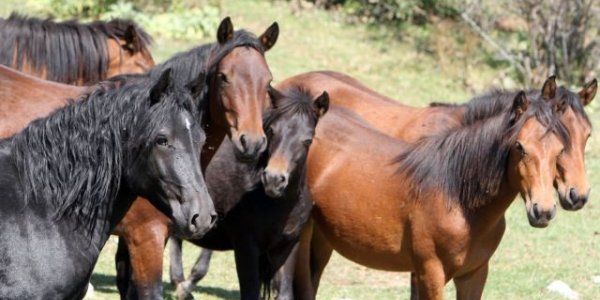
(275, 96)
(160, 87)
(225, 31)
(132, 39)
(588, 93)
(520, 104)
(197, 86)
(549, 88)
(269, 37)
(322, 104)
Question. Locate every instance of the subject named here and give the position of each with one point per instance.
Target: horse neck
(228, 180)
(488, 216)
(215, 131)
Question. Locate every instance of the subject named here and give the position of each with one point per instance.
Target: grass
(527, 260)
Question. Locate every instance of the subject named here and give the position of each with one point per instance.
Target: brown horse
(24, 98)
(74, 53)
(410, 123)
(238, 80)
(435, 207)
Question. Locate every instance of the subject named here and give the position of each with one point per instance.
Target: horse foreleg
(303, 287)
(320, 253)
(247, 266)
(470, 286)
(175, 261)
(284, 278)
(123, 266)
(200, 269)
(414, 290)
(146, 248)
(430, 279)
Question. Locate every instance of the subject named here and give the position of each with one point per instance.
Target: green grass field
(527, 260)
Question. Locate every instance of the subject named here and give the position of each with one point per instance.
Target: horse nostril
(281, 179)
(213, 218)
(536, 211)
(243, 141)
(194, 219)
(573, 195)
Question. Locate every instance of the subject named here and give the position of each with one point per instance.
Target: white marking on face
(188, 123)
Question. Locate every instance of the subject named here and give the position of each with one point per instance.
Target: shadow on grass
(108, 284)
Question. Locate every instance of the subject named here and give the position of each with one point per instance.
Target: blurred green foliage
(181, 19)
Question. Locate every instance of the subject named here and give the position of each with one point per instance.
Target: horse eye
(307, 142)
(520, 149)
(162, 140)
(222, 77)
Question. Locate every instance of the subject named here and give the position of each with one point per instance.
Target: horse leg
(284, 278)
(123, 267)
(303, 287)
(414, 291)
(431, 279)
(200, 269)
(470, 286)
(320, 253)
(247, 266)
(146, 249)
(175, 261)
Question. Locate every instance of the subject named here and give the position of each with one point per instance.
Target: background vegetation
(413, 52)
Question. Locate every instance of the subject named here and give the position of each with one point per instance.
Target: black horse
(264, 209)
(67, 179)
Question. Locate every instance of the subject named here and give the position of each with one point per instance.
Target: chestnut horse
(435, 207)
(74, 53)
(238, 80)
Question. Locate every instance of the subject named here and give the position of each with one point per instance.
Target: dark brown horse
(435, 207)
(74, 53)
(238, 80)
(264, 210)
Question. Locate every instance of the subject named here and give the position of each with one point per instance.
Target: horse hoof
(183, 291)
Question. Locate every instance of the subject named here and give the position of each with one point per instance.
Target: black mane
(75, 159)
(469, 162)
(67, 51)
(205, 58)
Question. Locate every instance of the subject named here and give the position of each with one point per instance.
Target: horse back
(24, 98)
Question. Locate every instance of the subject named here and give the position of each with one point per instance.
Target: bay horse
(74, 53)
(238, 80)
(435, 207)
(412, 123)
(263, 203)
(67, 180)
(24, 98)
